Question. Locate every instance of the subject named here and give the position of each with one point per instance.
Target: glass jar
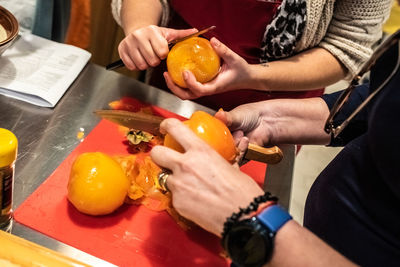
(8, 155)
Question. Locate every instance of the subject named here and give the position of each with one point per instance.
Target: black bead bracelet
(252, 207)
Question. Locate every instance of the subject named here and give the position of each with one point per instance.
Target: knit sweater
(346, 28)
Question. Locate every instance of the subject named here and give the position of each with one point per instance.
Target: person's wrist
(258, 77)
(244, 77)
(269, 114)
(250, 242)
(258, 204)
(325, 138)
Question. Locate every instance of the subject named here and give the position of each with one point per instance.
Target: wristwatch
(250, 242)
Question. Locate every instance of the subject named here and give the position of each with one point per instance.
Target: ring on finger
(162, 180)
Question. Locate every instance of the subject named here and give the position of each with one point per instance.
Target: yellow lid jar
(8, 155)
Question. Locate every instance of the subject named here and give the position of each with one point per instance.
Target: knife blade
(120, 63)
(151, 124)
(133, 120)
(170, 44)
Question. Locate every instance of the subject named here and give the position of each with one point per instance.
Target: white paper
(40, 71)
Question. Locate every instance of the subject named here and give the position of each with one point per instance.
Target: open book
(40, 71)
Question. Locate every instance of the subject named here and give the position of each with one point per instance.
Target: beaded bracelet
(252, 207)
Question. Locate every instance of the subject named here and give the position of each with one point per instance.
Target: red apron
(240, 25)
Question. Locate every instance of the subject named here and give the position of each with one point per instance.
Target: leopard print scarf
(285, 30)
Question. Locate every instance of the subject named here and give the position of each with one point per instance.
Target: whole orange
(196, 55)
(97, 184)
(211, 130)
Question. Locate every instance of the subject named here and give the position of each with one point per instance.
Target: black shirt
(354, 205)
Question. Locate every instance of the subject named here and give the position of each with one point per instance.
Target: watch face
(248, 243)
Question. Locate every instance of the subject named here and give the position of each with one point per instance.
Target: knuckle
(133, 34)
(134, 38)
(186, 166)
(136, 35)
(154, 62)
(141, 66)
(152, 28)
(169, 123)
(164, 53)
(122, 48)
(130, 66)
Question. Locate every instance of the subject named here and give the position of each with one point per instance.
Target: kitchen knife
(120, 63)
(151, 124)
(133, 120)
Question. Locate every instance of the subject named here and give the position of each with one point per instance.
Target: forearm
(312, 69)
(296, 121)
(136, 14)
(297, 246)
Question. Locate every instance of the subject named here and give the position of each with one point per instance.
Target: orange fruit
(211, 130)
(97, 184)
(196, 55)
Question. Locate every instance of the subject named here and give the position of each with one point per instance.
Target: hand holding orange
(211, 130)
(196, 55)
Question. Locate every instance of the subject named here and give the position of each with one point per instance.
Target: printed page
(40, 71)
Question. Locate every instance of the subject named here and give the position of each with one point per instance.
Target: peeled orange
(97, 184)
(196, 55)
(211, 130)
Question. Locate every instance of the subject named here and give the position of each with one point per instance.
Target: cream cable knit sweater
(346, 28)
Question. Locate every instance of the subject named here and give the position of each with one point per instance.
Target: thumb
(242, 142)
(223, 116)
(172, 34)
(223, 51)
(233, 119)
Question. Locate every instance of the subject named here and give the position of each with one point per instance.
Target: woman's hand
(205, 187)
(252, 121)
(279, 121)
(233, 75)
(146, 47)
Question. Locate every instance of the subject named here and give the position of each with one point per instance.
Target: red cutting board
(131, 236)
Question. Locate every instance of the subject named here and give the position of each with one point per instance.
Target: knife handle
(269, 155)
(115, 65)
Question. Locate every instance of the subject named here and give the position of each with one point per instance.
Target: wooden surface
(105, 36)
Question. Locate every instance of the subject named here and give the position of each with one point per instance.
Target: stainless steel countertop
(46, 136)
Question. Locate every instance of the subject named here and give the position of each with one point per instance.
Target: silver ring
(162, 180)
